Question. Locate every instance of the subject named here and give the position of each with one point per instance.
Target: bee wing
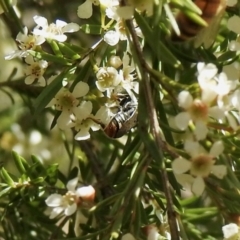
(207, 35)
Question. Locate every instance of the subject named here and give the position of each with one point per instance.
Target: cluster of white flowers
(36, 68)
(69, 202)
(217, 104)
(116, 13)
(76, 112)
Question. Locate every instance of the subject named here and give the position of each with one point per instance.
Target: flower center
(66, 101)
(106, 79)
(201, 165)
(37, 70)
(52, 28)
(199, 110)
(70, 198)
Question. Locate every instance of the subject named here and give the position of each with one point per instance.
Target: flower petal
(216, 149)
(55, 212)
(64, 120)
(41, 21)
(192, 147)
(54, 200)
(111, 37)
(201, 130)
(230, 230)
(72, 184)
(184, 179)
(85, 10)
(80, 90)
(185, 99)
(83, 134)
(198, 186)
(219, 171)
(182, 120)
(233, 24)
(71, 27)
(70, 209)
(180, 165)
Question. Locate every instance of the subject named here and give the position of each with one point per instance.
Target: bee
(124, 120)
(212, 12)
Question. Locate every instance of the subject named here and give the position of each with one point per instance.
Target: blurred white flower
(233, 24)
(234, 45)
(232, 71)
(128, 76)
(69, 202)
(53, 31)
(26, 42)
(231, 231)
(200, 166)
(68, 103)
(231, 3)
(35, 70)
(85, 10)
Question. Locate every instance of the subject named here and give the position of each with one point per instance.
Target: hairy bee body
(188, 28)
(124, 120)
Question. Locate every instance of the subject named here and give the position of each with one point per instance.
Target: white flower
(213, 85)
(107, 78)
(85, 10)
(198, 112)
(83, 121)
(53, 31)
(35, 71)
(231, 231)
(200, 165)
(233, 24)
(64, 203)
(68, 103)
(69, 202)
(128, 76)
(26, 42)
